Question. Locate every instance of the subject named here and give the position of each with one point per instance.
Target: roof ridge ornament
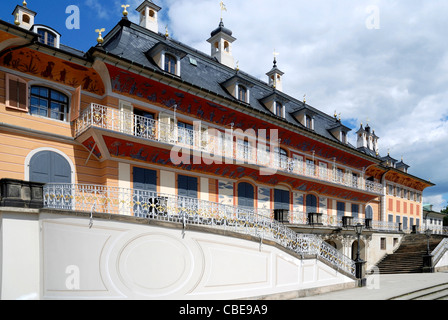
(125, 10)
(100, 39)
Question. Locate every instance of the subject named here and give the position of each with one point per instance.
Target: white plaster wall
(20, 263)
(60, 257)
(443, 262)
(167, 182)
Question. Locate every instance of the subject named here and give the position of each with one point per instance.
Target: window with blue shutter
(341, 209)
(311, 204)
(246, 195)
(50, 167)
(281, 200)
(355, 210)
(187, 186)
(145, 179)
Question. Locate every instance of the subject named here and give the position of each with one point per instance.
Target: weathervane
(276, 54)
(223, 8)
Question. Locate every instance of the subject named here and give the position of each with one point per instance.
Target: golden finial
(24, 3)
(166, 32)
(237, 66)
(17, 21)
(125, 9)
(100, 37)
(304, 99)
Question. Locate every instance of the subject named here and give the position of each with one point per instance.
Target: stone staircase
(409, 257)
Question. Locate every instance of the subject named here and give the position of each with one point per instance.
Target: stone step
(439, 292)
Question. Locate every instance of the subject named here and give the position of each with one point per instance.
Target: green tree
(445, 219)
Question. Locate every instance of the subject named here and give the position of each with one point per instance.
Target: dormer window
(239, 88)
(48, 36)
(166, 57)
(305, 117)
(276, 103)
(340, 132)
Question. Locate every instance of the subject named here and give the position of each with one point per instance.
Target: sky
(381, 62)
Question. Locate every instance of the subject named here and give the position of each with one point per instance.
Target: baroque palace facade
(141, 119)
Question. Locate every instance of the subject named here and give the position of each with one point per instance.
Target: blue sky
(381, 61)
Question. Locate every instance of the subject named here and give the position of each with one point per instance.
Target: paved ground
(384, 287)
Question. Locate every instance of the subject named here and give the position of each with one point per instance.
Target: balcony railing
(213, 144)
(155, 206)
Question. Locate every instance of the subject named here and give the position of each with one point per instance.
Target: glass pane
(50, 39)
(35, 90)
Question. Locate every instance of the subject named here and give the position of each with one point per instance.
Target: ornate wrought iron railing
(213, 143)
(155, 206)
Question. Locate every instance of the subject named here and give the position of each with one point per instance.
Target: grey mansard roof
(132, 42)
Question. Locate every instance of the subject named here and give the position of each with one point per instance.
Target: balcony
(212, 142)
(188, 211)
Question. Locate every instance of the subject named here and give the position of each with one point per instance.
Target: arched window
(369, 212)
(281, 157)
(246, 195)
(49, 167)
(26, 18)
(49, 103)
(226, 46)
(311, 203)
(170, 63)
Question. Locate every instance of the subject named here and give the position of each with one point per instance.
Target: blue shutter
(246, 195)
(311, 203)
(281, 200)
(145, 179)
(355, 210)
(50, 167)
(341, 209)
(187, 186)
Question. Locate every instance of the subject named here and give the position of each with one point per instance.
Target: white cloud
(438, 202)
(100, 11)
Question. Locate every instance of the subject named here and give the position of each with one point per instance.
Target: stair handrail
(439, 251)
